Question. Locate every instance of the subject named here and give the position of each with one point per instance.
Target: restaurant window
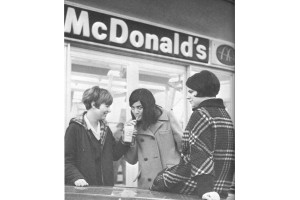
(166, 82)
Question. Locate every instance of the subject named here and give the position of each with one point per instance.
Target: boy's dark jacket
(79, 160)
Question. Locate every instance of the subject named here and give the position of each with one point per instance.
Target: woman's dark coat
(79, 155)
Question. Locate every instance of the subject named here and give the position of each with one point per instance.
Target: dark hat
(205, 83)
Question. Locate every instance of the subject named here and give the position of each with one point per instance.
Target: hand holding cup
(129, 131)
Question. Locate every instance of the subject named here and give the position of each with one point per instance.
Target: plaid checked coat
(207, 148)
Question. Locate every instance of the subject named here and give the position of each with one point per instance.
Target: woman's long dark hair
(151, 112)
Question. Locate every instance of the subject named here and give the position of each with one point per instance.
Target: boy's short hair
(97, 95)
(205, 83)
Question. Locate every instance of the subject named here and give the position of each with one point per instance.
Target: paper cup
(128, 132)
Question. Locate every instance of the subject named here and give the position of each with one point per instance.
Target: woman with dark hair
(158, 137)
(90, 147)
(206, 166)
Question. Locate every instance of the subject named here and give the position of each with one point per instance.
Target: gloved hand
(211, 196)
(81, 183)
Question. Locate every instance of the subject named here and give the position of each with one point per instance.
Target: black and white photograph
(149, 99)
(149, 111)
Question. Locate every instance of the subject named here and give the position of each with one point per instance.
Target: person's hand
(131, 123)
(81, 183)
(130, 131)
(134, 132)
(211, 196)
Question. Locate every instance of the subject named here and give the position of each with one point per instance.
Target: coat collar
(151, 131)
(103, 126)
(163, 116)
(216, 102)
(80, 120)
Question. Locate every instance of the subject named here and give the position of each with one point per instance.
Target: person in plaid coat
(207, 158)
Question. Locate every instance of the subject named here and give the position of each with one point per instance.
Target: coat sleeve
(71, 172)
(176, 130)
(132, 154)
(200, 144)
(119, 148)
(205, 183)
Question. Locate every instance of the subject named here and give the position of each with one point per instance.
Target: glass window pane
(166, 84)
(80, 81)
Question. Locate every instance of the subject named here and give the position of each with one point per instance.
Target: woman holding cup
(156, 137)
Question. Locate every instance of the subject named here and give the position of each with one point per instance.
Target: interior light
(115, 73)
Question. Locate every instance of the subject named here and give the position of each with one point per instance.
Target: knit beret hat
(205, 83)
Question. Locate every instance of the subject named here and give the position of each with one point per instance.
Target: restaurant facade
(125, 45)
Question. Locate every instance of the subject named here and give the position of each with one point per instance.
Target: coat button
(149, 179)
(145, 159)
(142, 140)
